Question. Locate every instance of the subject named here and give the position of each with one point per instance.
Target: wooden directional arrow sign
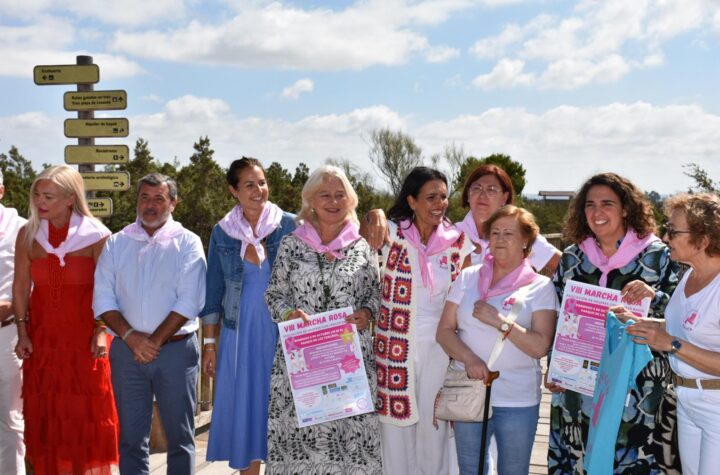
(112, 154)
(106, 181)
(101, 207)
(83, 128)
(66, 74)
(95, 100)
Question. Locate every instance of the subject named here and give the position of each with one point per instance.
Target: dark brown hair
(480, 172)
(638, 210)
(237, 166)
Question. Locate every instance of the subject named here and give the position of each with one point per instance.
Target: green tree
(394, 154)
(18, 175)
(513, 168)
(454, 156)
(202, 190)
(286, 189)
(702, 180)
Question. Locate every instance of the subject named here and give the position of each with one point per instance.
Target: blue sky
(567, 88)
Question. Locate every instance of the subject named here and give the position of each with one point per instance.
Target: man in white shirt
(149, 288)
(12, 426)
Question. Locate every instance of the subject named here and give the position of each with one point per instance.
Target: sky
(568, 89)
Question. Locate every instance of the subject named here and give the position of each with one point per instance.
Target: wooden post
(86, 167)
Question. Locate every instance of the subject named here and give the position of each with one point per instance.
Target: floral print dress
(346, 446)
(644, 438)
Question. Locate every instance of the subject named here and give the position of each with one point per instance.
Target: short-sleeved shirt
(520, 373)
(695, 319)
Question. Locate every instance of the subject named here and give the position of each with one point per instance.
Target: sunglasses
(672, 232)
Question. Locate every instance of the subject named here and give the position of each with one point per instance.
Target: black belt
(7, 321)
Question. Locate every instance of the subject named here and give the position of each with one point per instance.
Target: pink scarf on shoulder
(440, 239)
(521, 276)
(307, 233)
(83, 231)
(161, 237)
(630, 247)
(238, 227)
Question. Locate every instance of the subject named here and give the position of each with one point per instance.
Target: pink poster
(325, 365)
(580, 334)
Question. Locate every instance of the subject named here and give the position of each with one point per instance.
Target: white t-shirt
(429, 307)
(695, 319)
(520, 374)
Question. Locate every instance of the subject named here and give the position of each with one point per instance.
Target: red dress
(71, 425)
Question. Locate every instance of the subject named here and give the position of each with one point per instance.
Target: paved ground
(538, 463)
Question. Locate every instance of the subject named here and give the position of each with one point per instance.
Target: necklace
(325, 284)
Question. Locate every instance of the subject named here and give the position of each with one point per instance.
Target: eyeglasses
(489, 191)
(672, 232)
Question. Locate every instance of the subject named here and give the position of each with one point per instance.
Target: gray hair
(157, 179)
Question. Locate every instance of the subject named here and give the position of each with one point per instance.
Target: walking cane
(486, 410)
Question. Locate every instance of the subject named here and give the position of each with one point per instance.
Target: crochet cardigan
(394, 340)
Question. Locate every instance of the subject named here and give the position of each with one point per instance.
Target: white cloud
(507, 73)
(441, 54)
(559, 147)
(152, 98)
(49, 41)
(299, 87)
(600, 42)
(125, 12)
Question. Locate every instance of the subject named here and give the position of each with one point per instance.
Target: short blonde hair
(313, 184)
(70, 182)
(526, 221)
(703, 218)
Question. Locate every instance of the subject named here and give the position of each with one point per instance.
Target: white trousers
(421, 449)
(12, 448)
(699, 430)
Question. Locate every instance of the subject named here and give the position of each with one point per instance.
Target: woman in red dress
(71, 424)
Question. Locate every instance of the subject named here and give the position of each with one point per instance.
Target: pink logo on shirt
(444, 261)
(507, 304)
(690, 320)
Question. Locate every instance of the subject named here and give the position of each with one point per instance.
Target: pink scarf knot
(307, 233)
(522, 275)
(83, 231)
(238, 227)
(630, 247)
(441, 238)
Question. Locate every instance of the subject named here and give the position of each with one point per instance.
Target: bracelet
(208, 348)
(287, 313)
(21, 320)
(100, 323)
(208, 341)
(127, 333)
(507, 333)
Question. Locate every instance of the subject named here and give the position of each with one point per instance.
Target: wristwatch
(676, 345)
(505, 327)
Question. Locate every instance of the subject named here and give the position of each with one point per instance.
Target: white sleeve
(545, 297)
(542, 252)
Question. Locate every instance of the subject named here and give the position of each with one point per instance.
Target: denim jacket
(225, 272)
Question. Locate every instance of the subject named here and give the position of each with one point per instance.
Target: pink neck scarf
(82, 232)
(307, 233)
(521, 276)
(7, 216)
(161, 237)
(237, 227)
(630, 247)
(441, 238)
(468, 226)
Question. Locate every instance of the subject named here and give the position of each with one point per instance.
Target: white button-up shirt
(7, 255)
(146, 286)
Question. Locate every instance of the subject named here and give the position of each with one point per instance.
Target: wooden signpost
(86, 128)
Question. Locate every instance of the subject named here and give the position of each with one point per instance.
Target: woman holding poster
(502, 302)
(323, 265)
(243, 246)
(423, 257)
(611, 226)
(691, 333)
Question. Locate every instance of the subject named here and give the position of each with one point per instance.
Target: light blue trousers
(171, 378)
(514, 430)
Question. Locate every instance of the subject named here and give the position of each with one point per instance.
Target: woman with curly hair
(611, 227)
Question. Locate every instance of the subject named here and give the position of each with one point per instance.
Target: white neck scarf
(82, 232)
(161, 237)
(238, 227)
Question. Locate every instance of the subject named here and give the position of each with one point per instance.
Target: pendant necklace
(326, 284)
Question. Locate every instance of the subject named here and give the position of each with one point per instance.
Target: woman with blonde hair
(323, 265)
(71, 423)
